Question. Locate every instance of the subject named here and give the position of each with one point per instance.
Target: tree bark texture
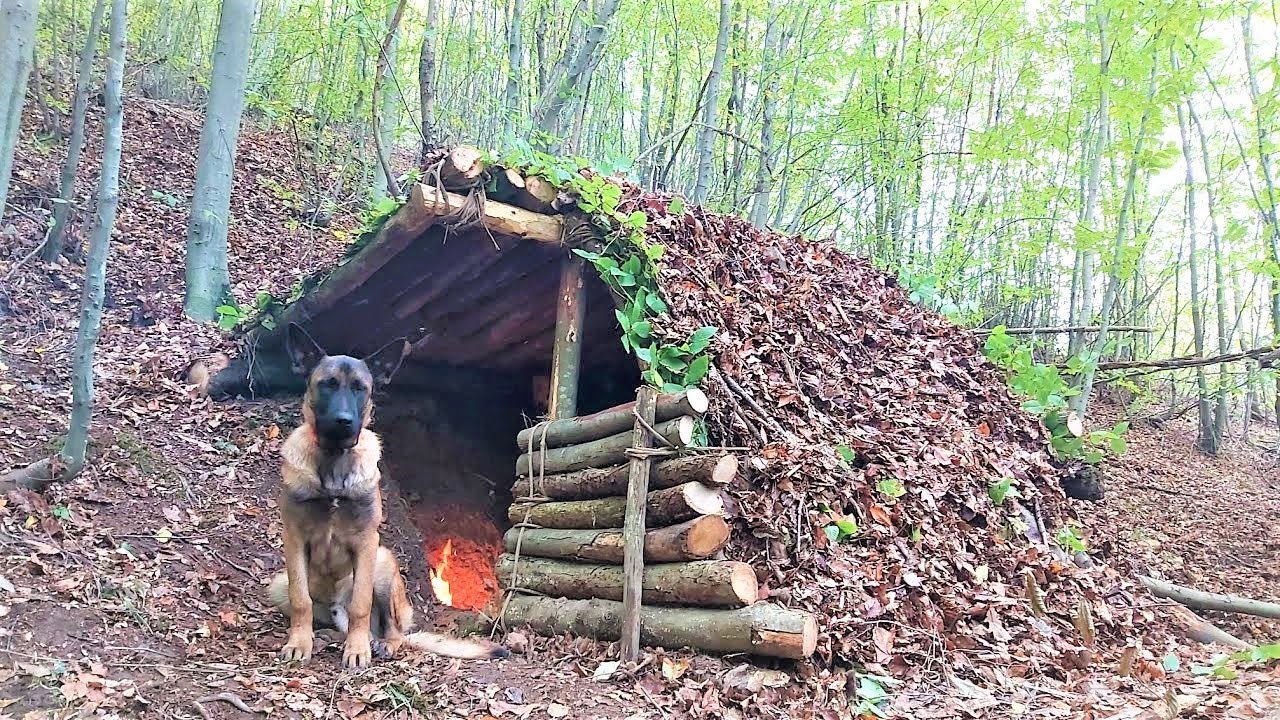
(701, 583)
(208, 283)
(760, 629)
(17, 48)
(586, 428)
(695, 539)
(663, 508)
(717, 470)
(604, 452)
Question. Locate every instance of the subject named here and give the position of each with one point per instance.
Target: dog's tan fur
(337, 574)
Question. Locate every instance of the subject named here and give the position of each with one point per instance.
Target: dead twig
(226, 697)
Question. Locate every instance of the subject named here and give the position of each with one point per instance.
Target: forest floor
(135, 589)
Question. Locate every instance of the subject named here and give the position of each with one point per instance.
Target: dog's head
(339, 398)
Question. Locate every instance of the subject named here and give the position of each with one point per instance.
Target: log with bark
(717, 470)
(537, 195)
(578, 430)
(663, 508)
(1202, 600)
(695, 539)
(702, 583)
(760, 629)
(499, 217)
(605, 452)
(460, 170)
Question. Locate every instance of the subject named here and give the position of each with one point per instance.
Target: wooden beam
(566, 357)
(634, 524)
(577, 430)
(498, 217)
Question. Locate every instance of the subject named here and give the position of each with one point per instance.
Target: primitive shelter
(868, 429)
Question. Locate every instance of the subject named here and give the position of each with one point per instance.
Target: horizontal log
(605, 452)
(578, 430)
(536, 195)
(761, 629)
(1056, 330)
(708, 469)
(701, 583)
(663, 508)
(695, 539)
(1202, 600)
(498, 217)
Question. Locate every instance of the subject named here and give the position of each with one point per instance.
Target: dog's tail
(467, 649)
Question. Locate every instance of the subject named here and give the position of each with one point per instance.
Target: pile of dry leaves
(862, 407)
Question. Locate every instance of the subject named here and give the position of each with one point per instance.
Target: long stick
(1064, 329)
(1202, 600)
(1264, 354)
(633, 527)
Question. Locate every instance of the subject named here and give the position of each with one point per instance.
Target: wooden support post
(633, 527)
(566, 358)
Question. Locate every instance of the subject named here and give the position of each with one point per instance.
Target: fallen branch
(226, 697)
(1203, 631)
(1264, 355)
(1202, 600)
(1066, 329)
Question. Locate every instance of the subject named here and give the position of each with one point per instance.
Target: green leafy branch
(628, 265)
(1047, 393)
(1224, 666)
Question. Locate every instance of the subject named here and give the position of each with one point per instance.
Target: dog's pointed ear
(386, 360)
(304, 352)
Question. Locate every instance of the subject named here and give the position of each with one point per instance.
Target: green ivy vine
(628, 265)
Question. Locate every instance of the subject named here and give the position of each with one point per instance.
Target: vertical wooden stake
(566, 358)
(633, 527)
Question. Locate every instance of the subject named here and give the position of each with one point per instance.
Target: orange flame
(439, 585)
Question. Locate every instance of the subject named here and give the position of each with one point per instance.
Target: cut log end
(781, 644)
(725, 471)
(686, 427)
(703, 500)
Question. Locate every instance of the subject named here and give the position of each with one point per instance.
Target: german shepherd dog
(336, 572)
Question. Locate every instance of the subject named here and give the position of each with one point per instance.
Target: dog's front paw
(357, 653)
(297, 647)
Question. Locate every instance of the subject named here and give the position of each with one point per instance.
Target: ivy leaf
(832, 532)
(644, 353)
(637, 220)
(655, 303)
(846, 453)
(700, 339)
(642, 329)
(697, 370)
(654, 252)
(672, 362)
(676, 206)
(672, 388)
(623, 320)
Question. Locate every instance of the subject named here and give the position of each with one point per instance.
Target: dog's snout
(345, 420)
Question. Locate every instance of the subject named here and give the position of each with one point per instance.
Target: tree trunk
(703, 583)
(710, 104)
(17, 47)
(66, 185)
(1205, 440)
(208, 283)
(427, 79)
(717, 470)
(1270, 212)
(572, 73)
(71, 460)
(768, 99)
(605, 452)
(1115, 274)
(663, 508)
(577, 430)
(695, 539)
(1219, 284)
(1089, 217)
(515, 57)
(760, 629)
(384, 179)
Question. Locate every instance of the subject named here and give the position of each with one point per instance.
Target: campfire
(461, 548)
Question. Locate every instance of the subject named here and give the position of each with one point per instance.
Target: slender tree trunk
(1271, 221)
(1115, 276)
(646, 101)
(386, 97)
(17, 47)
(769, 96)
(1090, 216)
(208, 283)
(573, 72)
(515, 56)
(427, 79)
(1221, 416)
(710, 103)
(1205, 440)
(73, 453)
(66, 185)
